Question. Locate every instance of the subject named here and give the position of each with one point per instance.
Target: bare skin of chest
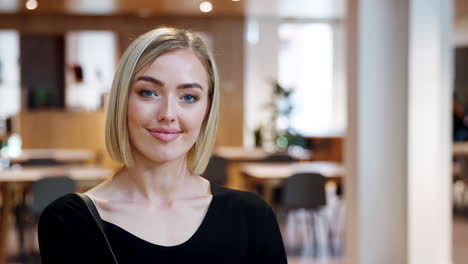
(165, 224)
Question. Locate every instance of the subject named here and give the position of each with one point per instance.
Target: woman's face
(167, 104)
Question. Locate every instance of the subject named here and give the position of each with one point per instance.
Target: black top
(238, 227)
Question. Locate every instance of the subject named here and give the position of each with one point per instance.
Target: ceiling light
(235, 0)
(206, 7)
(31, 4)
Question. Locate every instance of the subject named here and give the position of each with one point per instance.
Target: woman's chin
(159, 155)
(164, 157)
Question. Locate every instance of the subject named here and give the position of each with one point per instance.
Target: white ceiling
(297, 8)
(273, 8)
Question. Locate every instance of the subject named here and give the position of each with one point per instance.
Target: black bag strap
(94, 212)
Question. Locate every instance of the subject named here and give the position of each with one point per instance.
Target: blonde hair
(142, 51)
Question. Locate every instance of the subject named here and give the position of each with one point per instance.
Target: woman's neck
(156, 182)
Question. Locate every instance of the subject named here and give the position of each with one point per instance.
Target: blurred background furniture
(460, 148)
(306, 226)
(43, 192)
(41, 162)
(234, 156)
(271, 175)
(460, 177)
(304, 190)
(14, 180)
(237, 155)
(278, 157)
(217, 170)
(37, 157)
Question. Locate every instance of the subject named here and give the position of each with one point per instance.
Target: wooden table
(28, 175)
(234, 156)
(460, 148)
(254, 154)
(61, 155)
(270, 175)
(238, 155)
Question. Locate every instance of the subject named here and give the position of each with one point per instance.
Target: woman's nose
(167, 112)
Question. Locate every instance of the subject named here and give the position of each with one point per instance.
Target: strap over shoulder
(92, 209)
(94, 212)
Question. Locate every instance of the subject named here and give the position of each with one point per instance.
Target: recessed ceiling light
(31, 4)
(206, 7)
(235, 0)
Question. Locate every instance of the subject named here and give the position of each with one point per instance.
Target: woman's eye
(189, 98)
(147, 93)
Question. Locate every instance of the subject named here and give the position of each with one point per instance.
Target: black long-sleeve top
(238, 227)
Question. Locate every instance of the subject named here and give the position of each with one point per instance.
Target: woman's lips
(165, 135)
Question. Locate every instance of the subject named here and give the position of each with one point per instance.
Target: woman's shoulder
(69, 207)
(68, 202)
(67, 233)
(244, 199)
(68, 214)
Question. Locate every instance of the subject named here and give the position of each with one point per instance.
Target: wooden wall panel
(326, 148)
(66, 130)
(229, 51)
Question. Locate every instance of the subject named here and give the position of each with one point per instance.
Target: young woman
(161, 122)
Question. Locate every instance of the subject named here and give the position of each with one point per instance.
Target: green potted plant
(280, 106)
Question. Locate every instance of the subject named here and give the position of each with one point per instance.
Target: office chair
(43, 192)
(216, 171)
(303, 198)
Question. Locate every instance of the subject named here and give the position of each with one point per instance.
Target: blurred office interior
(368, 99)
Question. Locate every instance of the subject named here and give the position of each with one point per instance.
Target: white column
(429, 137)
(398, 140)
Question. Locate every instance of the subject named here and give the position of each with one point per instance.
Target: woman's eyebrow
(190, 85)
(160, 83)
(151, 80)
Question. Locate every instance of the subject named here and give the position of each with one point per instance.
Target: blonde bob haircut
(142, 51)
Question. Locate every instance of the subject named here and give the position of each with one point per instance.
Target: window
(9, 73)
(306, 64)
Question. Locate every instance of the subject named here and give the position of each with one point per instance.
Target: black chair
(28, 208)
(278, 157)
(42, 162)
(305, 191)
(43, 192)
(216, 171)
